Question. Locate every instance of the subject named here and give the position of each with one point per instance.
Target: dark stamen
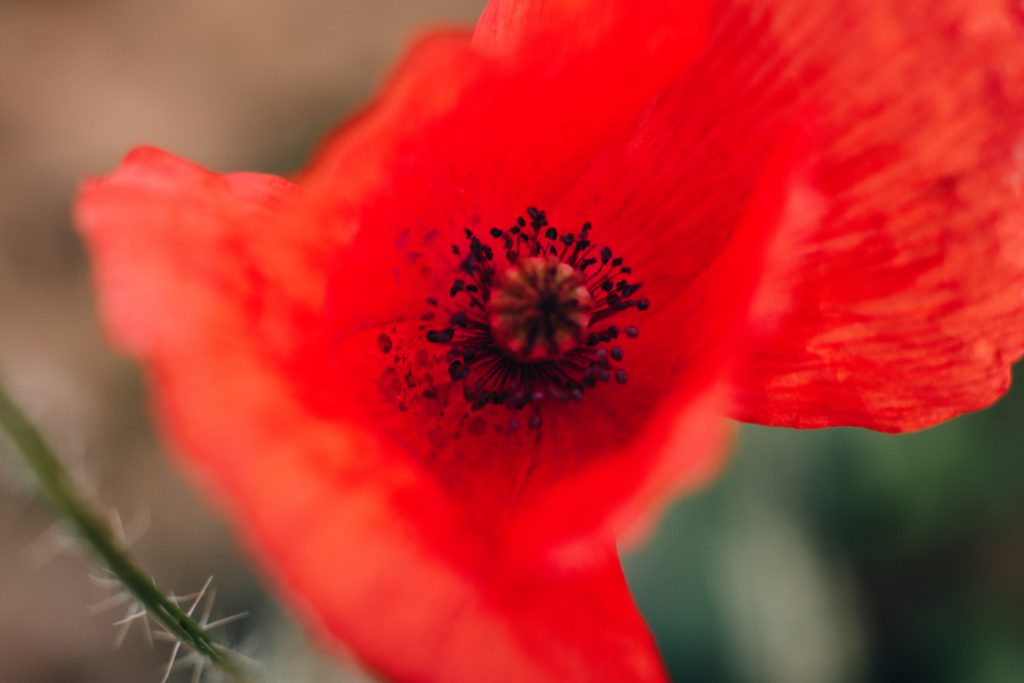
(532, 328)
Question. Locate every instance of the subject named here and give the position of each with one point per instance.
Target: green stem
(58, 489)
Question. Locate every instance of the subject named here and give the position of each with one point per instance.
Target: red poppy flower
(438, 377)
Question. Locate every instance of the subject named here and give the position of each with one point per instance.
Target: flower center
(539, 309)
(529, 318)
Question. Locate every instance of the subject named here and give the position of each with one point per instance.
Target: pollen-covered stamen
(539, 309)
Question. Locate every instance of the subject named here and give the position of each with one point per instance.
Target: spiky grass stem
(58, 489)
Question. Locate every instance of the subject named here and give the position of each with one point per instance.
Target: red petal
(142, 250)
(205, 277)
(539, 27)
(907, 305)
(467, 133)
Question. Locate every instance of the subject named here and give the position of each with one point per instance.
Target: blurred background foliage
(845, 555)
(825, 556)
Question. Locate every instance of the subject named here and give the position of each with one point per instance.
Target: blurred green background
(845, 555)
(817, 557)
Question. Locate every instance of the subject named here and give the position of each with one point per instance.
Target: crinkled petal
(907, 305)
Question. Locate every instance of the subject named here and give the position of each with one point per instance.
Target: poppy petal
(907, 304)
(366, 550)
(472, 131)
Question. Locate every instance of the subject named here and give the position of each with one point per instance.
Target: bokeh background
(817, 557)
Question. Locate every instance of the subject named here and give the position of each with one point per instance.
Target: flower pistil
(531, 315)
